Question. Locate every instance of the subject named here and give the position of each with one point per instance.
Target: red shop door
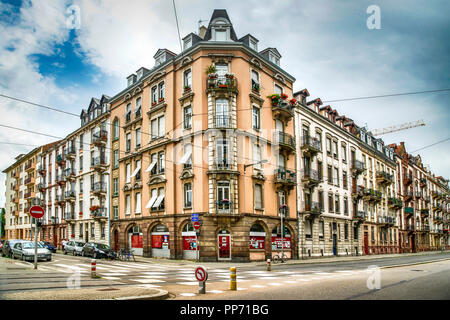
(366, 243)
(224, 247)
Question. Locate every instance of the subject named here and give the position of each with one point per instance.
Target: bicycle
(277, 257)
(125, 255)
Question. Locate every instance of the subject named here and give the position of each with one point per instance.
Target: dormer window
(187, 43)
(273, 58)
(159, 60)
(253, 44)
(220, 30)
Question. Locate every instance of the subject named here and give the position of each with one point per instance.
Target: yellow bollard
(233, 283)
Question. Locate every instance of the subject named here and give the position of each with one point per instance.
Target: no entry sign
(196, 225)
(37, 212)
(200, 274)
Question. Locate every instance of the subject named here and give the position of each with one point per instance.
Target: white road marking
(268, 278)
(110, 278)
(258, 286)
(148, 286)
(290, 281)
(187, 294)
(240, 289)
(154, 273)
(114, 273)
(215, 291)
(148, 280)
(151, 277)
(189, 283)
(274, 284)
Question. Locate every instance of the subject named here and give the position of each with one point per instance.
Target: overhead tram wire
(430, 145)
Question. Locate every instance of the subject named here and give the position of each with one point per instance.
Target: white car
(74, 247)
(25, 251)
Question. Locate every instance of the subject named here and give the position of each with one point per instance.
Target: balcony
(284, 141)
(41, 187)
(384, 178)
(70, 195)
(426, 198)
(69, 174)
(59, 199)
(417, 195)
(29, 181)
(435, 194)
(70, 217)
(226, 83)
(16, 213)
(42, 170)
(358, 192)
(386, 221)
(372, 195)
(395, 203)
(222, 121)
(29, 195)
(281, 109)
(407, 179)
(423, 182)
(224, 206)
(60, 160)
(438, 219)
(357, 167)
(99, 163)
(310, 178)
(70, 152)
(222, 164)
(99, 188)
(361, 215)
(100, 138)
(425, 228)
(30, 166)
(16, 174)
(15, 187)
(311, 207)
(310, 145)
(99, 213)
(409, 211)
(424, 212)
(410, 228)
(408, 196)
(284, 177)
(16, 200)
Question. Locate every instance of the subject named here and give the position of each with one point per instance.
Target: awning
(186, 157)
(136, 171)
(150, 167)
(158, 201)
(150, 203)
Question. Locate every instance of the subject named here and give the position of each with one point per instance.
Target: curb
(413, 264)
(161, 295)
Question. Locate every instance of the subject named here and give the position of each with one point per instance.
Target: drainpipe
(299, 244)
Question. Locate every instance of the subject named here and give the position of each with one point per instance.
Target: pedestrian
(63, 244)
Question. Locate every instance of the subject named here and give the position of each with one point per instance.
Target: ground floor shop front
(220, 238)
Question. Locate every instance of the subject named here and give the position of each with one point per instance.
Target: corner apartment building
(22, 193)
(187, 141)
(327, 150)
(75, 185)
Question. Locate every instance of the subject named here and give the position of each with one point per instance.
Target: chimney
(202, 31)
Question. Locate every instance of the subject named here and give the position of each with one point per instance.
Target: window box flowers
(187, 89)
(229, 76)
(94, 208)
(161, 100)
(154, 103)
(283, 96)
(293, 101)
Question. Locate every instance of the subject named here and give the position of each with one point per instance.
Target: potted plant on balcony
(283, 96)
(211, 72)
(255, 87)
(275, 99)
(187, 89)
(229, 75)
(72, 236)
(154, 103)
(161, 100)
(293, 101)
(94, 208)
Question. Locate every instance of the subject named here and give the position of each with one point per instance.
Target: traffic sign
(201, 274)
(37, 212)
(196, 225)
(194, 217)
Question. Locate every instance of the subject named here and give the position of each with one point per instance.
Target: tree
(2, 216)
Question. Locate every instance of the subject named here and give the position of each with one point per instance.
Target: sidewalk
(288, 262)
(108, 293)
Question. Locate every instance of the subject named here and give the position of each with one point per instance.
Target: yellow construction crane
(404, 126)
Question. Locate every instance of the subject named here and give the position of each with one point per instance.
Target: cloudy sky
(325, 45)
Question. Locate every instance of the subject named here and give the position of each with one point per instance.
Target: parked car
(48, 245)
(97, 250)
(74, 247)
(7, 246)
(25, 250)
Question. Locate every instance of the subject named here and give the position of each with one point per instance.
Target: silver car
(25, 250)
(74, 247)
